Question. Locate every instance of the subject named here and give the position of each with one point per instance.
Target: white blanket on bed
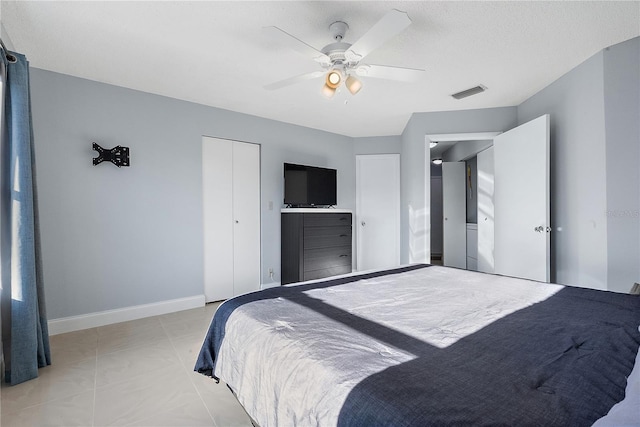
(330, 360)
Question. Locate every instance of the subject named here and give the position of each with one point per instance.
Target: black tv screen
(309, 186)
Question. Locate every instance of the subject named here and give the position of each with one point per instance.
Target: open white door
(522, 224)
(377, 223)
(454, 212)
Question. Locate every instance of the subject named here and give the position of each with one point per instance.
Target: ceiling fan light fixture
(328, 91)
(334, 78)
(353, 84)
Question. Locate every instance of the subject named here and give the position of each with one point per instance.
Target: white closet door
(485, 211)
(217, 199)
(377, 221)
(454, 211)
(246, 217)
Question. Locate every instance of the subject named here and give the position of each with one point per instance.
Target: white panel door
(377, 219)
(217, 199)
(454, 211)
(246, 217)
(231, 217)
(485, 211)
(522, 240)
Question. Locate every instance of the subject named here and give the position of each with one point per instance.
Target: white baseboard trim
(108, 317)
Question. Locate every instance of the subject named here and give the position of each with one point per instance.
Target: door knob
(538, 229)
(363, 223)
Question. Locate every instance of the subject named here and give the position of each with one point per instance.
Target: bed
(428, 345)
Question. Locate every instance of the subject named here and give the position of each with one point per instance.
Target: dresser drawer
(327, 219)
(325, 237)
(326, 272)
(318, 259)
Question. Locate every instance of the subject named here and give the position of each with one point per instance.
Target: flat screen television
(309, 186)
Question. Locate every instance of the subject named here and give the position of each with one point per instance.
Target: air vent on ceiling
(469, 92)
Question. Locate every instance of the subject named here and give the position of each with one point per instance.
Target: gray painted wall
(415, 172)
(377, 145)
(622, 130)
(578, 176)
(119, 237)
(114, 237)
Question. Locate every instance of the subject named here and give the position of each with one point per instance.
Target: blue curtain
(25, 335)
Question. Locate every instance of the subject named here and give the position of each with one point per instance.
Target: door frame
(396, 202)
(443, 137)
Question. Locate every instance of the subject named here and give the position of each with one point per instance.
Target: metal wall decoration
(118, 155)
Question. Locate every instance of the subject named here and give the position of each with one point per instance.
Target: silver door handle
(539, 229)
(363, 223)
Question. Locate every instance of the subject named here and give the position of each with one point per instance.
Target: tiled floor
(137, 373)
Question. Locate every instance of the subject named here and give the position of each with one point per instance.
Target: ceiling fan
(341, 61)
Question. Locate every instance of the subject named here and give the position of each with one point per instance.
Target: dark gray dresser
(314, 244)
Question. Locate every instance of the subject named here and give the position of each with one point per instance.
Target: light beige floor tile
(69, 411)
(135, 362)
(129, 335)
(143, 397)
(220, 402)
(144, 376)
(131, 326)
(73, 346)
(83, 336)
(205, 312)
(188, 349)
(53, 382)
(192, 414)
(187, 327)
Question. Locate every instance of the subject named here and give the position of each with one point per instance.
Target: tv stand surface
(314, 210)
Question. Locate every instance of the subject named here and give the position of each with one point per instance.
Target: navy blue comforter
(561, 362)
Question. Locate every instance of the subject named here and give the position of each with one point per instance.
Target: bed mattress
(425, 345)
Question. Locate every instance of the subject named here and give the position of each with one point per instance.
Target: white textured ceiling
(215, 53)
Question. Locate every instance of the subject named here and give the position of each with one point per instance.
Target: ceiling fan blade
(390, 25)
(390, 73)
(293, 80)
(296, 44)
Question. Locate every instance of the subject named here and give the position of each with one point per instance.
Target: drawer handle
(343, 256)
(343, 219)
(344, 235)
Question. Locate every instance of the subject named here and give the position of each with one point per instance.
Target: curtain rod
(9, 56)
